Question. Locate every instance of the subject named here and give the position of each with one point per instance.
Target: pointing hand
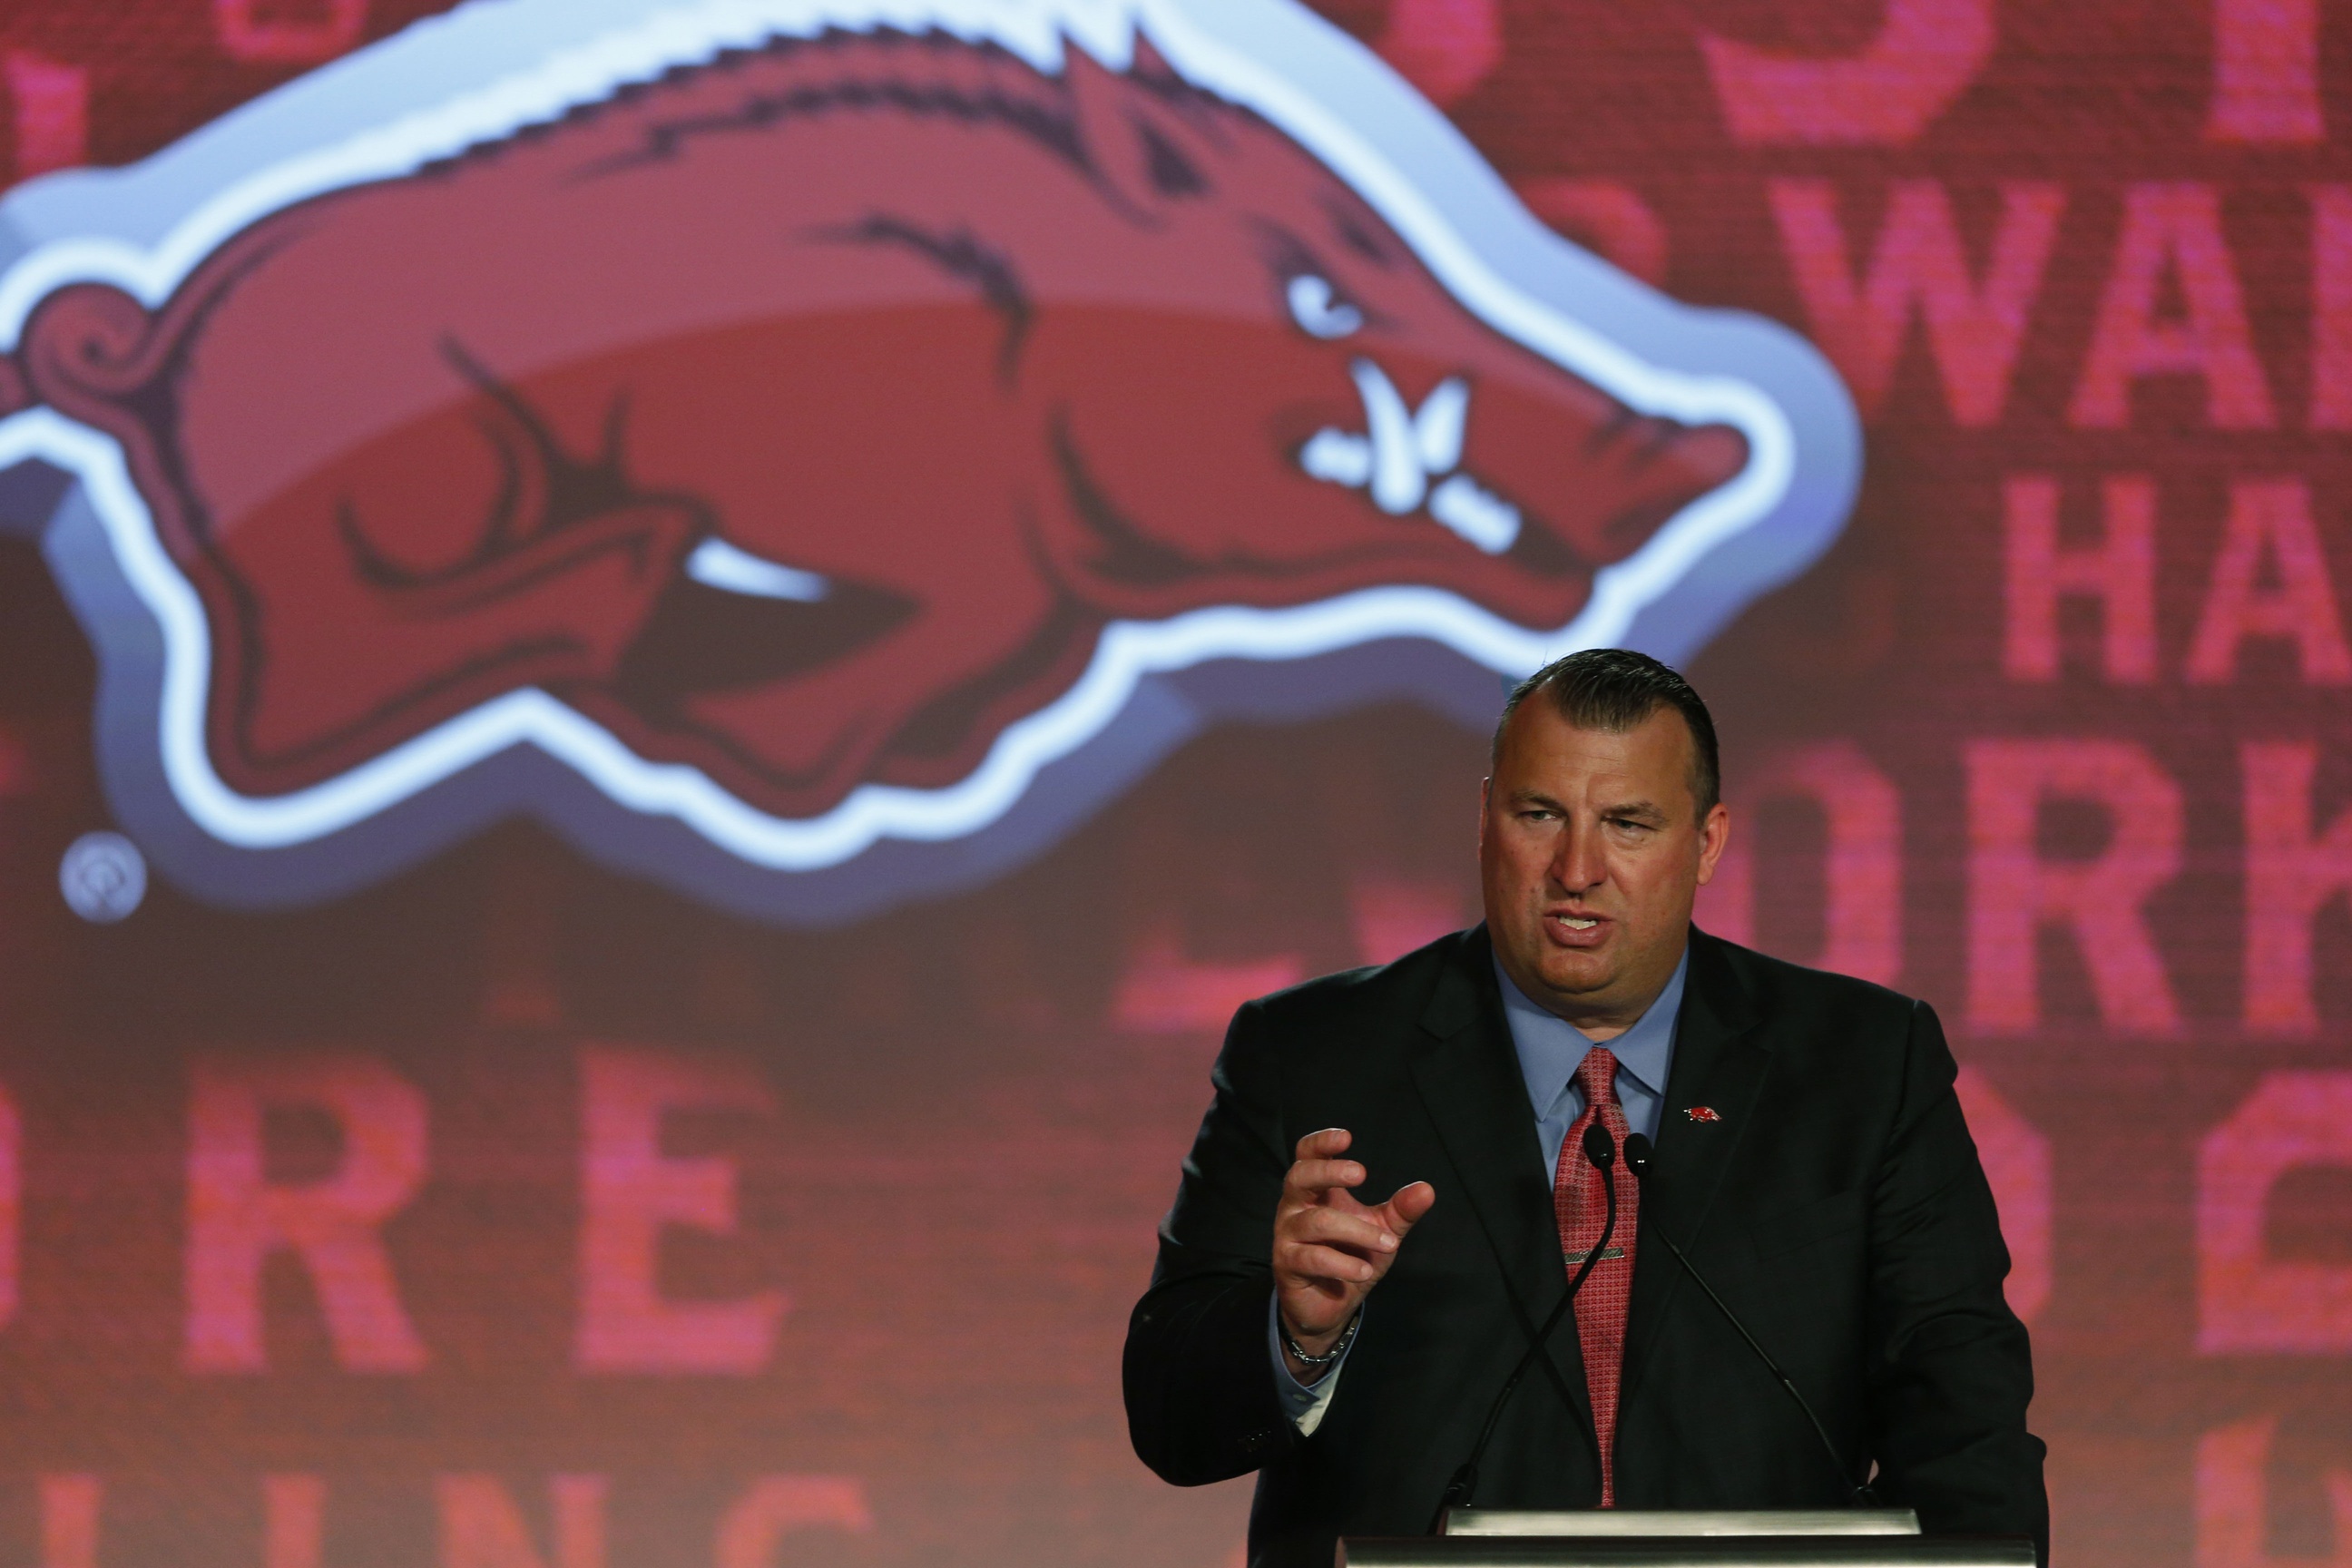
(1329, 1250)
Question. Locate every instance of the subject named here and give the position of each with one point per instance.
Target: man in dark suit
(1811, 1159)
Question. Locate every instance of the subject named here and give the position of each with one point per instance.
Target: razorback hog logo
(805, 416)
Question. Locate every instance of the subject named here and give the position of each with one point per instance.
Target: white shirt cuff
(1304, 1403)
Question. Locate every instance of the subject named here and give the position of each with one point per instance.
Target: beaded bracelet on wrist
(1338, 1348)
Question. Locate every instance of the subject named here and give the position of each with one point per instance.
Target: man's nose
(1578, 864)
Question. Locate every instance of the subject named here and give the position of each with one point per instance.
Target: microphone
(1601, 1150)
(1637, 1160)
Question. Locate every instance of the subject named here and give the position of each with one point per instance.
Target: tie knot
(1596, 1075)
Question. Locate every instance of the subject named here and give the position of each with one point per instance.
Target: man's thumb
(1407, 1204)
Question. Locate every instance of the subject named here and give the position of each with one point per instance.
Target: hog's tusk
(1399, 482)
(1406, 449)
(1475, 514)
(715, 564)
(1335, 456)
(1438, 424)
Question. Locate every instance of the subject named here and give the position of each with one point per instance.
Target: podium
(1798, 1538)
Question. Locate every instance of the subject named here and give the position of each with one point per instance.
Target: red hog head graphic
(804, 417)
(902, 370)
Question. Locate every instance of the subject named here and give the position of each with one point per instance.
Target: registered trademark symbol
(103, 877)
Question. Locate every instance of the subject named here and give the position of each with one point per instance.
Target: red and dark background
(641, 1234)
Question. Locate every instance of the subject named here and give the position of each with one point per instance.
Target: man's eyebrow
(1647, 811)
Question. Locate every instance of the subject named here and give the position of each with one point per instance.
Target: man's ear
(1714, 836)
(1140, 136)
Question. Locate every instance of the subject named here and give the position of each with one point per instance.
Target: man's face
(1591, 850)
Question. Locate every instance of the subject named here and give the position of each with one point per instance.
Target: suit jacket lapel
(1467, 1072)
(1720, 1057)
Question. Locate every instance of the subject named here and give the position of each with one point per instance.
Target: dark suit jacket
(1838, 1207)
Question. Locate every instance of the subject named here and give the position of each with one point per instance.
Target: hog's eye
(1317, 307)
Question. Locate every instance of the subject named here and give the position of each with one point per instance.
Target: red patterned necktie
(1580, 1203)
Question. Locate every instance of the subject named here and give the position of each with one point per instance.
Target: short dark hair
(1614, 689)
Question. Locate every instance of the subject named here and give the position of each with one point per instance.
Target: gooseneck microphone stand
(1601, 1150)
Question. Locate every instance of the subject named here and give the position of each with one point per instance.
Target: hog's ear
(1145, 139)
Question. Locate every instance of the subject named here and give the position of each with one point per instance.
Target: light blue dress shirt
(1550, 1049)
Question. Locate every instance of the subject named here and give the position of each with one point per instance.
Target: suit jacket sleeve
(1950, 1368)
(1202, 1404)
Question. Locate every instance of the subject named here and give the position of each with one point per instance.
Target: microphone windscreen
(1599, 1147)
(1637, 1154)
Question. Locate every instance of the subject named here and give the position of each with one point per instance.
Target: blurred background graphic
(515, 1211)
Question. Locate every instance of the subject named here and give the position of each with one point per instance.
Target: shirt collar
(1549, 1048)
